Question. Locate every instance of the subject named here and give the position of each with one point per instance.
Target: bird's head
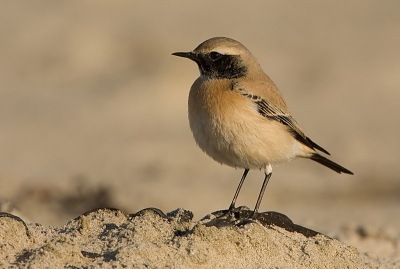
(220, 57)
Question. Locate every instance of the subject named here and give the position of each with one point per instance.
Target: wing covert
(272, 112)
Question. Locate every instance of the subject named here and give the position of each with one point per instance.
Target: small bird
(238, 116)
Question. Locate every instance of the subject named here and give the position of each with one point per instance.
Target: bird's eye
(215, 55)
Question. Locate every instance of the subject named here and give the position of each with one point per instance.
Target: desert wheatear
(238, 116)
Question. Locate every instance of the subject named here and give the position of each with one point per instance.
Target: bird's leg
(232, 206)
(268, 173)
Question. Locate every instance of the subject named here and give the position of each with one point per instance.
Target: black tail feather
(316, 146)
(330, 164)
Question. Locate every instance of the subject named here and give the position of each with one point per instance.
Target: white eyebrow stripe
(226, 50)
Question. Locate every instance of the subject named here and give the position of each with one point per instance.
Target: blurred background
(93, 107)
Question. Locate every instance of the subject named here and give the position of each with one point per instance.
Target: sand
(108, 238)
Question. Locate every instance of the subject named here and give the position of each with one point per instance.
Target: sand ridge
(108, 238)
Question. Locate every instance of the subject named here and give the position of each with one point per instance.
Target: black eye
(215, 55)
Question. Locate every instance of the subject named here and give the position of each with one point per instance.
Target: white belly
(235, 134)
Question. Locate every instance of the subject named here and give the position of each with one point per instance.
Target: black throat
(227, 66)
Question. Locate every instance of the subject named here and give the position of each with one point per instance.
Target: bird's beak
(189, 55)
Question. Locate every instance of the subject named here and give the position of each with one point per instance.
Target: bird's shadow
(241, 216)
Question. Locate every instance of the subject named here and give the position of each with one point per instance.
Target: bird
(238, 116)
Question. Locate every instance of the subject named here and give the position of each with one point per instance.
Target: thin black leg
(264, 185)
(232, 206)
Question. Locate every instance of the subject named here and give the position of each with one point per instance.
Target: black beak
(189, 55)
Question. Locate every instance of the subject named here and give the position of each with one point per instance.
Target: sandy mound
(151, 239)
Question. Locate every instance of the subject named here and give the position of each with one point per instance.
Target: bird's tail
(328, 163)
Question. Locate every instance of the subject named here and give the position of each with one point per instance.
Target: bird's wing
(272, 112)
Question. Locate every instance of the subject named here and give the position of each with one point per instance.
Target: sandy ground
(108, 238)
(93, 111)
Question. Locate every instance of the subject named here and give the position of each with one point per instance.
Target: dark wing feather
(272, 112)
